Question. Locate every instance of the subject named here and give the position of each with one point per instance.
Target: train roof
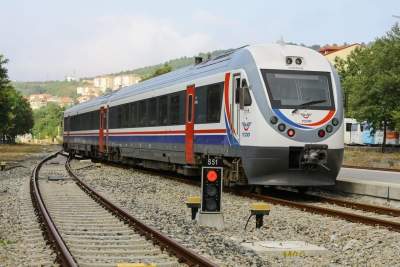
(231, 59)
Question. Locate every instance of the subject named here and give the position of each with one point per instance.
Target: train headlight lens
(212, 176)
(299, 61)
(321, 133)
(289, 60)
(329, 128)
(290, 132)
(335, 122)
(281, 127)
(274, 120)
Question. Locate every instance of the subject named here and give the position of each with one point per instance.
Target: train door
(235, 105)
(189, 124)
(102, 128)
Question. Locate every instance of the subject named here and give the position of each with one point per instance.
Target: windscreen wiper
(309, 103)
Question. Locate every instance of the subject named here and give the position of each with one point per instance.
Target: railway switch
(259, 209)
(193, 203)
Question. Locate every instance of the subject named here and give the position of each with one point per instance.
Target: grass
(372, 159)
(19, 151)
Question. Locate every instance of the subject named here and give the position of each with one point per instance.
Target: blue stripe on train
(198, 139)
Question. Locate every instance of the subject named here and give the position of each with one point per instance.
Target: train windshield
(299, 89)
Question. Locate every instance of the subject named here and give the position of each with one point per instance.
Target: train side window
(348, 127)
(119, 116)
(96, 119)
(237, 86)
(126, 115)
(142, 113)
(361, 127)
(163, 110)
(354, 127)
(182, 107)
(200, 101)
(174, 100)
(134, 113)
(214, 101)
(112, 117)
(152, 112)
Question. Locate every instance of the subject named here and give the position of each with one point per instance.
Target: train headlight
(329, 128)
(321, 133)
(299, 61)
(281, 127)
(335, 122)
(274, 120)
(289, 60)
(290, 132)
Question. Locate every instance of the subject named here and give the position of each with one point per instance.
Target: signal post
(211, 194)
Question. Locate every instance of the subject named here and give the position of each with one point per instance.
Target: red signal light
(212, 176)
(321, 133)
(290, 132)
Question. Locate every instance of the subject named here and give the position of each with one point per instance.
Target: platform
(383, 184)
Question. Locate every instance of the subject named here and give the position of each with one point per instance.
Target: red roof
(326, 50)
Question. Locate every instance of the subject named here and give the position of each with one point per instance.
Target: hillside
(57, 88)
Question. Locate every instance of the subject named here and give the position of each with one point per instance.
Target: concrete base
(284, 248)
(374, 189)
(215, 220)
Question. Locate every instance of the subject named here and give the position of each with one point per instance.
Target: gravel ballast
(21, 239)
(160, 202)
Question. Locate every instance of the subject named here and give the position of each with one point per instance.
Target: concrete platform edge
(369, 189)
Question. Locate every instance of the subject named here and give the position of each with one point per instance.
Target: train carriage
(272, 113)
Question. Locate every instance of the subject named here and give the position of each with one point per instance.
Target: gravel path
(21, 240)
(161, 203)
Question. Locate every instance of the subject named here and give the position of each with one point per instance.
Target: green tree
(371, 80)
(48, 121)
(15, 112)
(159, 71)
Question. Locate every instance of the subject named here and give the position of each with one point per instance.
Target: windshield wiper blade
(309, 103)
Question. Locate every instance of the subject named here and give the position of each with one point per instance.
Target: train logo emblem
(246, 125)
(305, 115)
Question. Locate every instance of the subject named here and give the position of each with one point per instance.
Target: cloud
(102, 45)
(119, 43)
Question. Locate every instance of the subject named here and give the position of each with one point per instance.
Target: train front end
(297, 122)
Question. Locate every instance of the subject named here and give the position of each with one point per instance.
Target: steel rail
(184, 254)
(361, 206)
(395, 226)
(64, 256)
(339, 202)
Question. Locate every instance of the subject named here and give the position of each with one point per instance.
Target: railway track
(343, 209)
(86, 229)
(349, 213)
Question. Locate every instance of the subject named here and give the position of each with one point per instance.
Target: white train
(272, 113)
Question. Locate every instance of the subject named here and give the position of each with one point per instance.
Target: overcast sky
(47, 40)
